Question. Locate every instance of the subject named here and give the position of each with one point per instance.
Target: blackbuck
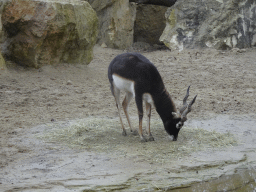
(139, 78)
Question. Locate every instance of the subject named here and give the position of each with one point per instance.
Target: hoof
(124, 133)
(151, 138)
(143, 140)
(134, 132)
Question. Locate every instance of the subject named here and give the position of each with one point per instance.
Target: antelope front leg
(148, 111)
(142, 138)
(138, 99)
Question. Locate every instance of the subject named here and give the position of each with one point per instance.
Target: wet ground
(59, 167)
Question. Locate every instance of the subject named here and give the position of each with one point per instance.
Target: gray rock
(149, 24)
(116, 22)
(221, 24)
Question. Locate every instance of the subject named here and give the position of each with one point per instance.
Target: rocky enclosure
(52, 31)
(221, 24)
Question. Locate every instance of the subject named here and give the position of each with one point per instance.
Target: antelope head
(184, 110)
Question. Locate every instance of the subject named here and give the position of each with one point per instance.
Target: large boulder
(49, 32)
(149, 24)
(116, 22)
(221, 24)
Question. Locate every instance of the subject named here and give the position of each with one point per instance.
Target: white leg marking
(126, 102)
(149, 102)
(117, 98)
(148, 98)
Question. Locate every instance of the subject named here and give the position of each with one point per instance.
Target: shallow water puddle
(92, 155)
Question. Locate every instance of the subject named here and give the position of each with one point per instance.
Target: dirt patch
(224, 81)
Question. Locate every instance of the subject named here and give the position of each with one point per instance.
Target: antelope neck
(164, 105)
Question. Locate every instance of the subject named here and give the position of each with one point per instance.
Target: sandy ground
(225, 82)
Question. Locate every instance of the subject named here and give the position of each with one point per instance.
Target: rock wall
(221, 24)
(116, 22)
(123, 23)
(149, 24)
(49, 31)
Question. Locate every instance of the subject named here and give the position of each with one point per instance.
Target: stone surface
(116, 22)
(2, 62)
(221, 24)
(49, 32)
(149, 24)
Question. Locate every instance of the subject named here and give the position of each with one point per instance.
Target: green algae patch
(105, 135)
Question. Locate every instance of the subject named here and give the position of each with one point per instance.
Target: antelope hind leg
(116, 93)
(125, 104)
